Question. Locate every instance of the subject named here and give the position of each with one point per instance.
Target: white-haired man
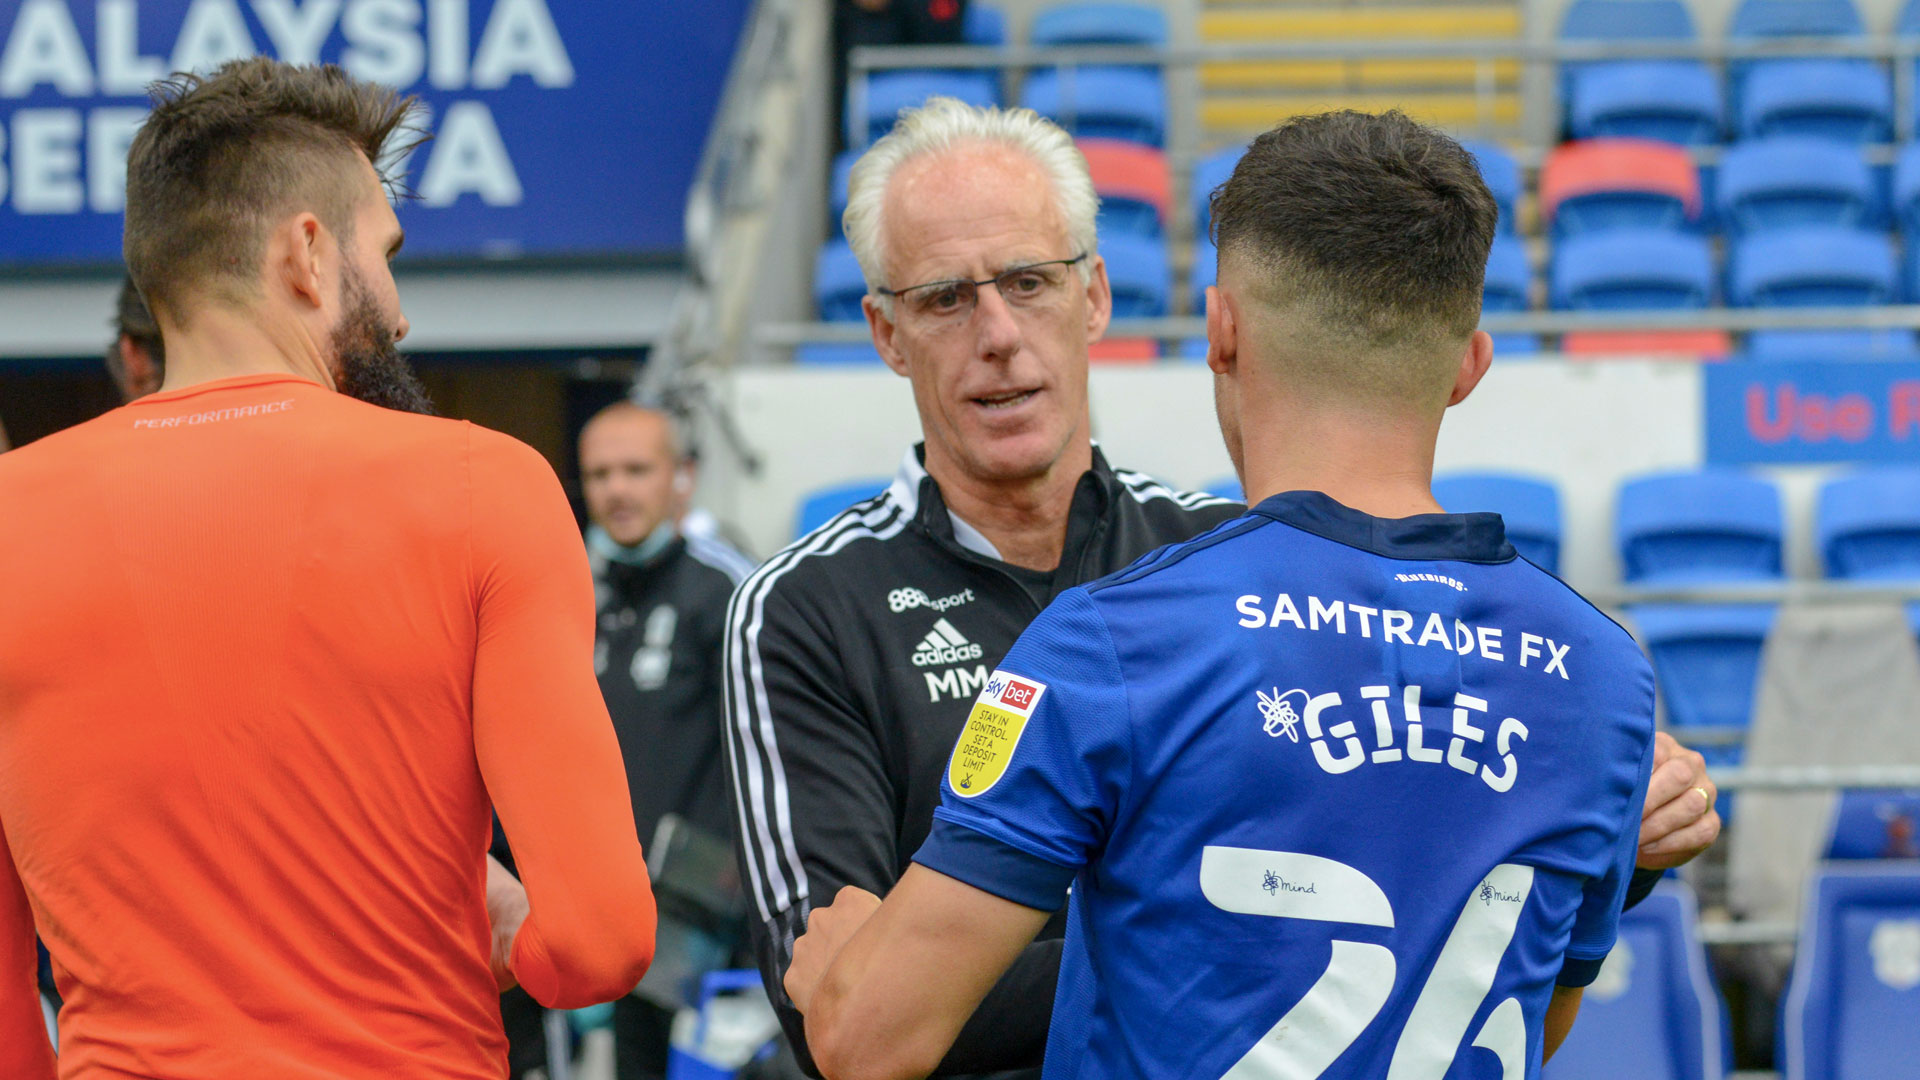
(854, 655)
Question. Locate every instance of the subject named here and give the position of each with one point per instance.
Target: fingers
(1680, 847)
(1682, 771)
(1681, 812)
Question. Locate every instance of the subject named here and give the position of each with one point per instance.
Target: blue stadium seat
(1530, 507)
(1791, 345)
(1100, 24)
(1709, 525)
(819, 507)
(1502, 175)
(835, 354)
(1514, 346)
(837, 283)
(1843, 99)
(1851, 1003)
(985, 24)
(1707, 659)
(1509, 285)
(1208, 174)
(1627, 20)
(1875, 825)
(1676, 101)
(1631, 268)
(837, 186)
(1795, 18)
(1795, 180)
(1813, 266)
(1654, 1003)
(1867, 525)
(1117, 103)
(888, 92)
(1906, 183)
(1227, 487)
(1206, 271)
(1137, 270)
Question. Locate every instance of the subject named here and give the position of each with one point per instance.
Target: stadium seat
(1116, 103)
(1654, 1003)
(888, 92)
(1707, 659)
(1867, 525)
(1502, 176)
(1709, 525)
(1875, 825)
(1631, 269)
(1791, 345)
(1854, 994)
(1227, 487)
(1677, 344)
(835, 354)
(1906, 182)
(1124, 351)
(1603, 184)
(819, 507)
(838, 285)
(1844, 99)
(1208, 174)
(1812, 266)
(985, 24)
(1514, 346)
(1793, 181)
(1530, 507)
(837, 187)
(1132, 182)
(1627, 20)
(1100, 24)
(1509, 285)
(1675, 101)
(1795, 18)
(1206, 271)
(1137, 270)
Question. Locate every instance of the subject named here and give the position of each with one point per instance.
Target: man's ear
(883, 328)
(1223, 333)
(298, 253)
(1473, 366)
(1099, 301)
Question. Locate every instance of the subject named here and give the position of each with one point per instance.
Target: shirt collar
(906, 489)
(1480, 538)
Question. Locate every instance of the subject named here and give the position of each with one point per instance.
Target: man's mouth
(1006, 400)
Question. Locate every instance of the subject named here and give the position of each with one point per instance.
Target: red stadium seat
(1700, 344)
(1124, 351)
(1600, 184)
(1135, 187)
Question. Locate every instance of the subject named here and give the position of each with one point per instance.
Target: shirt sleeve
(25, 1051)
(1042, 765)
(545, 744)
(1597, 922)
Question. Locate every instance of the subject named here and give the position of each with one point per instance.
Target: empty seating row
(1850, 99)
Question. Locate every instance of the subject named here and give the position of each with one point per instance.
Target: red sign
(1018, 694)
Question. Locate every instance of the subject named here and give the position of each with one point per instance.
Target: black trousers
(642, 1033)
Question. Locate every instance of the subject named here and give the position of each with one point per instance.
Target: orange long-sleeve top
(267, 657)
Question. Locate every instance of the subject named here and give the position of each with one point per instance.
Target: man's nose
(400, 332)
(994, 323)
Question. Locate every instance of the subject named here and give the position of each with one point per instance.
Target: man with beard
(271, 653)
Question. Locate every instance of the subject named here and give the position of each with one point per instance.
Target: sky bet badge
(999, 717)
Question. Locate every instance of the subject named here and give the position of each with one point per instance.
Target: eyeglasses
(1031, 286)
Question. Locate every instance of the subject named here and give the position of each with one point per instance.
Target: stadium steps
(1244, 97)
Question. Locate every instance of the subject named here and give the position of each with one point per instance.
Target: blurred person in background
(855, 654)
(662, 597)
(137, 359)
(272, 651)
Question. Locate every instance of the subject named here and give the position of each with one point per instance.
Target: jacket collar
(917, 491)
(1480, 538)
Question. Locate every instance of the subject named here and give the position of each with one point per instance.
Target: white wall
(1584, 425)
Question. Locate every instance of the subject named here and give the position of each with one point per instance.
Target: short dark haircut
(222, 157)
(1375, 227)
(132, 319)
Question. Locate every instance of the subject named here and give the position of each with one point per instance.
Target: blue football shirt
(1336, 796)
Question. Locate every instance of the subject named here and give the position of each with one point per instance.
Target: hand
(1679, 821)
(506, 910)
(828, 930)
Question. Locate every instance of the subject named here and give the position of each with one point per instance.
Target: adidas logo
(944, 645)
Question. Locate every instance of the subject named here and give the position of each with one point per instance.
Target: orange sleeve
(545, 744)
(25, 1052)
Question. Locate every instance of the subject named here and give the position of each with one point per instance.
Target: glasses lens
(1031, 284)
(942, 298)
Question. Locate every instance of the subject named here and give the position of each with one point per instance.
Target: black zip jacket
(852, 659)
